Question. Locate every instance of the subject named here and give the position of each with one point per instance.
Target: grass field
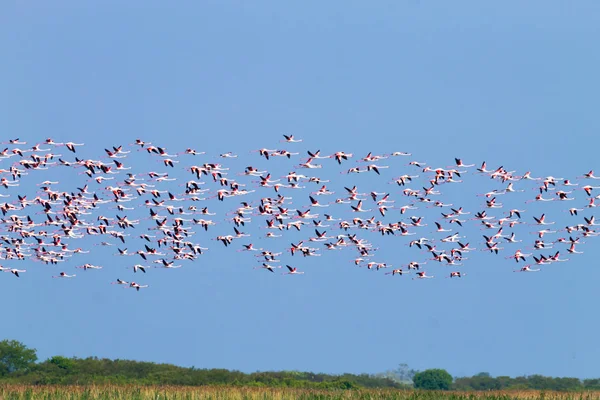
(19, 392)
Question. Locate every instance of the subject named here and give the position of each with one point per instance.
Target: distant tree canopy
(538, 382)
(15, 357)
(433, 379)
(63, 363)
(18, 364)
(403, 374)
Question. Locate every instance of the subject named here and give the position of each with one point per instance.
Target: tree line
(19, 364)
(484, 381)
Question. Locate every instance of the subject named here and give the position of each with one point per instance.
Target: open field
(18, 392)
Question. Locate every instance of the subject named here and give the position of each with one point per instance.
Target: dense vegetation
(74, 371)
(433, 379)
(131, 392)
(18, 365)
(484, 381)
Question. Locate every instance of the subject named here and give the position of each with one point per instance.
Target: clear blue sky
(513, 83)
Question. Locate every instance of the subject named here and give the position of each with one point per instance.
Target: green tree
(15, 356)
(405, 374)
(433, 379)
(65, 364)
(591, 384)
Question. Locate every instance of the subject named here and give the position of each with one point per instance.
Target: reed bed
(110, 392)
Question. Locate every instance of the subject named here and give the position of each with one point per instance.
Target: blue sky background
(512, 83)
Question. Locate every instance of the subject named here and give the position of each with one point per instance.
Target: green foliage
(65, 364)
(591, 384)
(18, 365)
(403, 374)
(15, 357)
(433, 379)
(60, 370)
(539, 382)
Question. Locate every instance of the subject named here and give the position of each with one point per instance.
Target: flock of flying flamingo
(178, 212)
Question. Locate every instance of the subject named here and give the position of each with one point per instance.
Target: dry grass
(19, 392)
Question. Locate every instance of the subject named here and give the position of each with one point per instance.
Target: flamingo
(555, 258)
(519, 256)
(87, 266)
(282, 153)
(376, 168)
(511, 238)
(492, 203)
(323, 191)
(194, 152)
(483, 168)
(527, 176)
(71, 146)
(572, 250)
(370, 157)
(590, 175)
(249, 247)
(493, 247)
(588, 189)
(167, 264)
(315, 203)
(15, 141)
(541, 245)
(418, 242)
(459, 163)
(316, 155)
(320, 236)
(441, 229)
(591, 203)
(137, 286)
(454, 238)
(359, 208)
(264, 152)
(510, 189)
(590, 221)
(417, 221)
(542, 232)
(290, 139)
(141, 143)
(64, 275)
(268, 267)
(422, 275)
(318, 180)
(397, 271)
(142, 268)
(292, 271)
(527, 269)
(539, 198)
(14, 271)
(465, 247)
(340, 155)
(541, 220)
(563, 196)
